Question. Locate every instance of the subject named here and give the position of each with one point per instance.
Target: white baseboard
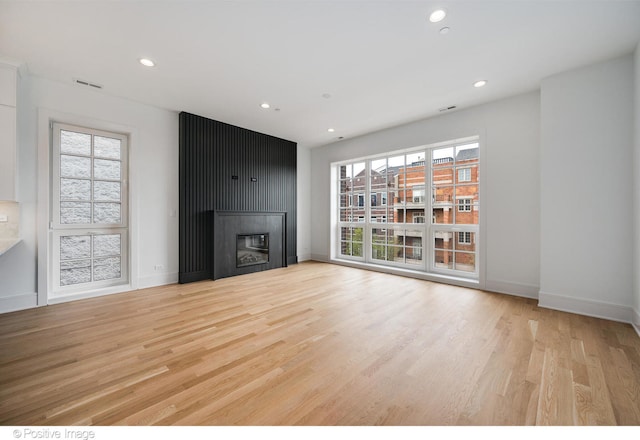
(143, 282)
(636, 321)
(511, 288)
(18, 302)
(320, 257)
(158, 280)
(597, 309)
(304, 257)
(75, 296)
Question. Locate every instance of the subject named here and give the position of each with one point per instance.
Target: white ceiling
(382, 62)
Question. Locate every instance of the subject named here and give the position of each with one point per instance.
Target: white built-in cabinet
(8, 87)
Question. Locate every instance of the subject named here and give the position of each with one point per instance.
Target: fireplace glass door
(252, 249)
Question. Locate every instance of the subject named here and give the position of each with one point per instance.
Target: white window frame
(454, 228)
(427, 229)
(351, 225)
(124, 261)
(124, 190)
(54, 291)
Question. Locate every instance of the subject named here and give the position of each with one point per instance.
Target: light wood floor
(315, 344)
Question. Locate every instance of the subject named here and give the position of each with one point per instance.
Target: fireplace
(252, 249)
(248, 241)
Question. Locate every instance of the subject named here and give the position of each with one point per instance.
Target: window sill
(427, 276)
(56, 298)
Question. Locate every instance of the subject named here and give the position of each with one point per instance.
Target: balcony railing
(406, 233)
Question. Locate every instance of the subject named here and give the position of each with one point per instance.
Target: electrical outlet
(158, 267)
(4, 218)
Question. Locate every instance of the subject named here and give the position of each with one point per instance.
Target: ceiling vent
(446, 109)
(86, 83)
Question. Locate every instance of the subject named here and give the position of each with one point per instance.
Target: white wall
(636, 178)
(18, 270)
(153, 181)
(586, 189)
(509, 130)
(304, 203)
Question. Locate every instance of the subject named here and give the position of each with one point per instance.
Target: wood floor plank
(315, 344)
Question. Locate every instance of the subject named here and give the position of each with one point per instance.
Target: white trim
(636, 321)
(66, 297)
(321, 258)
(45, 118)
(58, 127)
(43, 204)
(409, 150)
(587, 307)
(56, 235)
(158, 280)
(18, 302)
(481, 237)
(510, 288)
(21, 66)
(304, 257)
(394, 270)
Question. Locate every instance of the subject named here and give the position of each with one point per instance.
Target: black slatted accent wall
(211, 153)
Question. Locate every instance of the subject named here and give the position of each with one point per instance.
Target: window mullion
(455, 190)
(367, 212)
(427, 245)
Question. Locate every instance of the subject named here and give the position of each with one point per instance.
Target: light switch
(3, 218)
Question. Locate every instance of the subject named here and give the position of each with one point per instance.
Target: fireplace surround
(224, 168)
(246, 242)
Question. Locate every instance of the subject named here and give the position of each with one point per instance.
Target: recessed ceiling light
(147, 62)
(480, 83)
(437, 15)
(265, 105)
(330, 130)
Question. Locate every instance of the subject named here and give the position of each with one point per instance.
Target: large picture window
(435, 233)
